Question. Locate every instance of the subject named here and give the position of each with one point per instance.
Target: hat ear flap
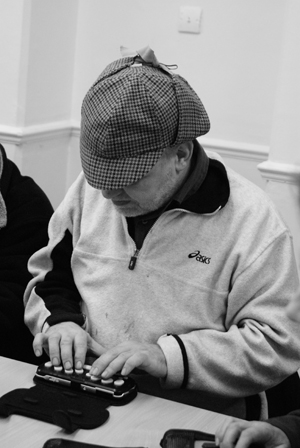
(192, 116)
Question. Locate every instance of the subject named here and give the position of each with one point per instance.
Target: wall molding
(275, 171)
(236, 150)
(21, 135)
(48, 131)
(280, 172)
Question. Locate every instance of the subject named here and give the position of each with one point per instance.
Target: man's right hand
(66, 343)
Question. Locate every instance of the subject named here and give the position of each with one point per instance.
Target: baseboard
(236, 150)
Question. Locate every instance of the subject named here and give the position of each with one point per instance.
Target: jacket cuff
(79, 319)
(177, 363)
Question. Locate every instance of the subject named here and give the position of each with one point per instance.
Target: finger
(221, 430)
(102, 363)
(250, 436)
(124, 363)
(231, 437)
(232, 434)
(109, 364)
(54, 348)
(80, 349)
(38, 344)
(66, 351)
(115, 366)
(134, 361)
(94, 347)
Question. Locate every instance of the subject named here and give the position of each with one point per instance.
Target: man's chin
(128, 210)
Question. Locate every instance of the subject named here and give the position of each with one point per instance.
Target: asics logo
(201, 258)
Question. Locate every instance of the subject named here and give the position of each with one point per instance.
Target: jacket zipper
(133, 260)
(134, 257)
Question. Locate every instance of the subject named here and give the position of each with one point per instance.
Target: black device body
(118, 389)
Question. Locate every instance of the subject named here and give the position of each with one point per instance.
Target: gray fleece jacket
(209, 288)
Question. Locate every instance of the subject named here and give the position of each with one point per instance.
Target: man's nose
(110, 194)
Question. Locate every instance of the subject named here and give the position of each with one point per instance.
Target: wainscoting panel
(50, 154)
(241, 157)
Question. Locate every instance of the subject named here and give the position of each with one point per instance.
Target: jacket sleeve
(290, 425)
(257, 346)
(52, 296)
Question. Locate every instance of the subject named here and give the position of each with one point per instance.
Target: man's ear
(184, 153)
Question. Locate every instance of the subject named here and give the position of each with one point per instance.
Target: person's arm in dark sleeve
(28, 212)
(53, 304)
(58, 290)
(52, 297)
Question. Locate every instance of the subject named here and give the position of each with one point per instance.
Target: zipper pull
(133, 260)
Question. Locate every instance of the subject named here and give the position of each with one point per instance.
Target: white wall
(51, 51)
(37, 54)
(57, 49)
(11, 20)
(232, 64)
(50, 62)
(282, 169)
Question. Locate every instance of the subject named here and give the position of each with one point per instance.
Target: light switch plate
(189, 19)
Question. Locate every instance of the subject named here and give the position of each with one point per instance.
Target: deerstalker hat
(134, 111)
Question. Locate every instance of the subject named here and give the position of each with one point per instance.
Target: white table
(141, 423)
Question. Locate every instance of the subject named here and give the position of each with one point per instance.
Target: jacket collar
(207, 188)
(205, 191)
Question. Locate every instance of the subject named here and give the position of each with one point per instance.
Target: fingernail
(104, 374)
(37, 353)
(68, 365)
(94, 371)
(78, 365)
(55, 361)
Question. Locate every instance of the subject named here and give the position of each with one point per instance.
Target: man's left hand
(130, 355)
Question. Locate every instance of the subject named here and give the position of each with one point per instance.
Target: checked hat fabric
(130, 115)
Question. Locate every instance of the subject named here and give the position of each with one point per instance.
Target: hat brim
(112, 174)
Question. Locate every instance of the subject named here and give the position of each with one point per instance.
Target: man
(160, 258)
(24, 215)
(279, 432)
